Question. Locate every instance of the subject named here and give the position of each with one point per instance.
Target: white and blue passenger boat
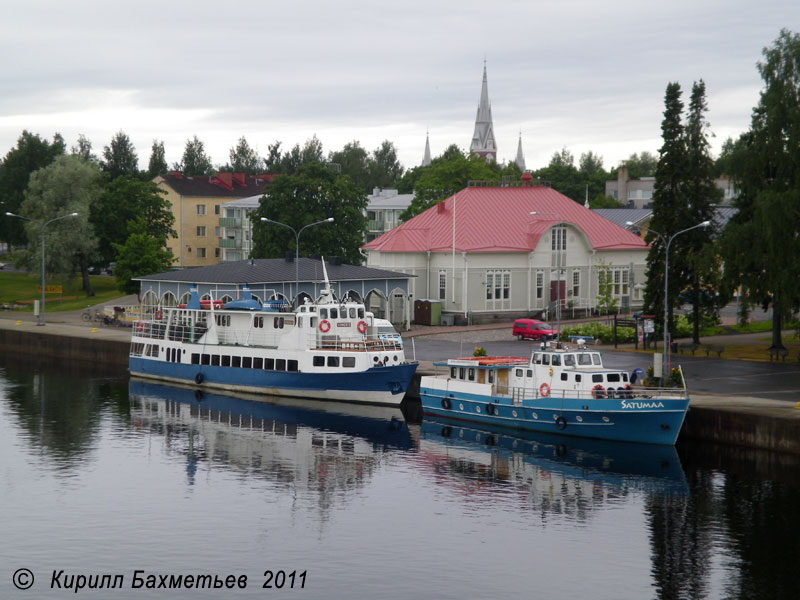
(560, 389)
(328, 349)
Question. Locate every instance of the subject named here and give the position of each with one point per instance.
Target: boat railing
(175, 332)
(518, 394)
(245, 337)
(368, 345)
(191, 334)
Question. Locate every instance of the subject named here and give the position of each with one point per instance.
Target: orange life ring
(324, 326)
(158, 315)
(598, 391)
(362, 327)
(544, 390)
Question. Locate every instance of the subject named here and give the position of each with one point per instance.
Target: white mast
(327, 292)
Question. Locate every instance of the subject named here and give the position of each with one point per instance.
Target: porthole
(514, 444)
(513, 412)
(555, 417)
(477, 409)
(396, 358)
(605, 419)
(460, 407)
(534, 415)
(579, 419)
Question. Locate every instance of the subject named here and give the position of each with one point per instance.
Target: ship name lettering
(642, 404)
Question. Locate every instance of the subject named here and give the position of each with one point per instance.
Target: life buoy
(198, 379)
(158, 315)
(598, 392)
(561, 423)
(544, 390)
(446, 403)
(362, 327)
(324, 326)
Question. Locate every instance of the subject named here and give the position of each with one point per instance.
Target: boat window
(556, 360)
(360, 313)
(313, 322)
(299, 321)
(545, 359)
(596, 359)
(471, 374)
(461, 373)
(215, 360)
(258, 322)
(491, 376)
(334, 313)
(563, 377)
(584, 359)
(323, 313)
(612, 377)
(569, 360)
(349, 361)
(319, 361)
(352, 313)
(529, 373)
(625, 377)
(236, 361)
(258, 363)
(269, 364)
(312, 309)
(278, 324)
(597, 379)
(302, 309)
(333, 361)
(205, 359)
(578, 378)
(453, 372)
(195, 358)
(518, 372)
(291, 365)
(226, 361)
